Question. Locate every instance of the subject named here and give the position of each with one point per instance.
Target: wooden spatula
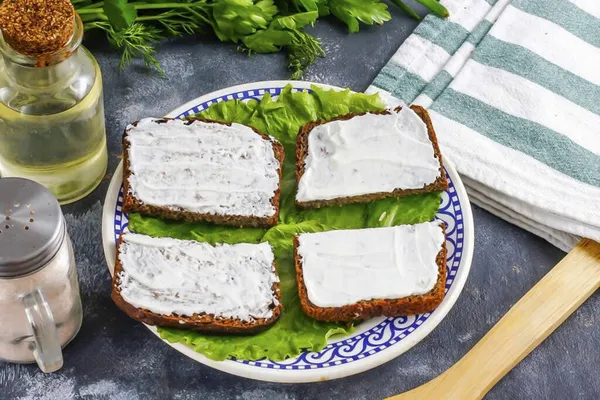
(526, 325)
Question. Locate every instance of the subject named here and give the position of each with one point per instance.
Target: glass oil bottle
(51, 105)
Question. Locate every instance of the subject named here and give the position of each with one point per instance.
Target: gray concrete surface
(115, 357)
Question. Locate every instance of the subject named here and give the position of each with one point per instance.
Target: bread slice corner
(204, 323)
(132, 204)
(376, 307)
(440, 184)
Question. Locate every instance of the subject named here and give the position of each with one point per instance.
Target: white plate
(375, 341)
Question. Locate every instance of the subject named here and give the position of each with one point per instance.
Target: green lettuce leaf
(200, 231)
(282, 118)
(232, 110)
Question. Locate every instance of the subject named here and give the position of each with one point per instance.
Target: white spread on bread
(207, 168)
(346, 266)
(184, 277)
(368, 154)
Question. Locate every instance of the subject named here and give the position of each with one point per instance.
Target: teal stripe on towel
(565, 14)
(448, 35)
(443, 78)
(402, 84)
(537, 141)
(385, 80)
(525, 63)
(479, 32)
(438, 84)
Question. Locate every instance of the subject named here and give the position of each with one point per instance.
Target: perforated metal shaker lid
(32, 227)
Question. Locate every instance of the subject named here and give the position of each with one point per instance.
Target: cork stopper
(37, 27)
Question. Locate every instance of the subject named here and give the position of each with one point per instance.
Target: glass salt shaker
(52, 126)
(40, 305)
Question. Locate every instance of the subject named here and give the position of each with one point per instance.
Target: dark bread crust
(133, 204)
(439, 184)
(206, 323)
(377, 307)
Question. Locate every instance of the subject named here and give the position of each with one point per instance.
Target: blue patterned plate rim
(382, 339)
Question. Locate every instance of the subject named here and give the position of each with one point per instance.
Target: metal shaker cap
(32, 227)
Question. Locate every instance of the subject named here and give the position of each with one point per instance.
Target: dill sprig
(302, 53)
(136, 41)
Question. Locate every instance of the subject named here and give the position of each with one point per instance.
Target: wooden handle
(526, 325)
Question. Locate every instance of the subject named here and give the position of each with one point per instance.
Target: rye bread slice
(440, 184)
(206, 323)
(132, 204)
(377, 307)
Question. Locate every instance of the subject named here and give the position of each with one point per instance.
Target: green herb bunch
(259, 26)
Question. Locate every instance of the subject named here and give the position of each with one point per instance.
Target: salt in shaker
(40, 305)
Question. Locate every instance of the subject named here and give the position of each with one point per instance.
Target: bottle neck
(44, 71)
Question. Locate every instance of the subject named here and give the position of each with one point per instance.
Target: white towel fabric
(513, 89)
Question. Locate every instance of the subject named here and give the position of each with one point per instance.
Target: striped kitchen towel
(513, 89)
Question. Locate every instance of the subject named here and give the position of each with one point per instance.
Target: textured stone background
(115, 357)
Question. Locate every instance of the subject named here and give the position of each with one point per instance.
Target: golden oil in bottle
(52, 117)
